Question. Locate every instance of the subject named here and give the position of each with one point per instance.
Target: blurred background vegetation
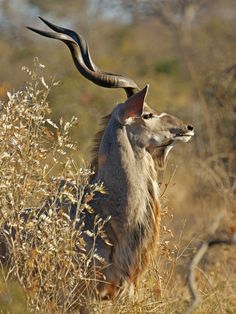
(185, 50)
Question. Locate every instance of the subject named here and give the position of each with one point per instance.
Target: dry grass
(43, 241)
(46, 273)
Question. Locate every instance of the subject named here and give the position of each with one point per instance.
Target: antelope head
(146, 129)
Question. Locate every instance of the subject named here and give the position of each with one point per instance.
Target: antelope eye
(147, 116)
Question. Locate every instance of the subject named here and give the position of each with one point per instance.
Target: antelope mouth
(184, 137)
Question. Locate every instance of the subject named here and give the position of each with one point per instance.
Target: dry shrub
(43, 246)
(220, 163)
(41, 214)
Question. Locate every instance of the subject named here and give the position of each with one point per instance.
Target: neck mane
(96, 144)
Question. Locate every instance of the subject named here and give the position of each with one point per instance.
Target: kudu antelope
(134, 143)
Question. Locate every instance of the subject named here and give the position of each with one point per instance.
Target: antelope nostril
(190, 127)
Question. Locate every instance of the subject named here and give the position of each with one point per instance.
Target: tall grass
(42, 246)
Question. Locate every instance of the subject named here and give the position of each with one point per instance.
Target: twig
(211, 241)
(169, 181)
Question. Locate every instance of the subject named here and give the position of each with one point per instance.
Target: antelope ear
(133, 107)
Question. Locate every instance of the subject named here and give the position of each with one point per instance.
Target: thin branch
(202, 250)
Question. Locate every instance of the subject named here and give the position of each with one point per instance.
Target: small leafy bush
(168, 66)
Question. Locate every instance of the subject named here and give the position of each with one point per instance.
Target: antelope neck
(126, 172)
